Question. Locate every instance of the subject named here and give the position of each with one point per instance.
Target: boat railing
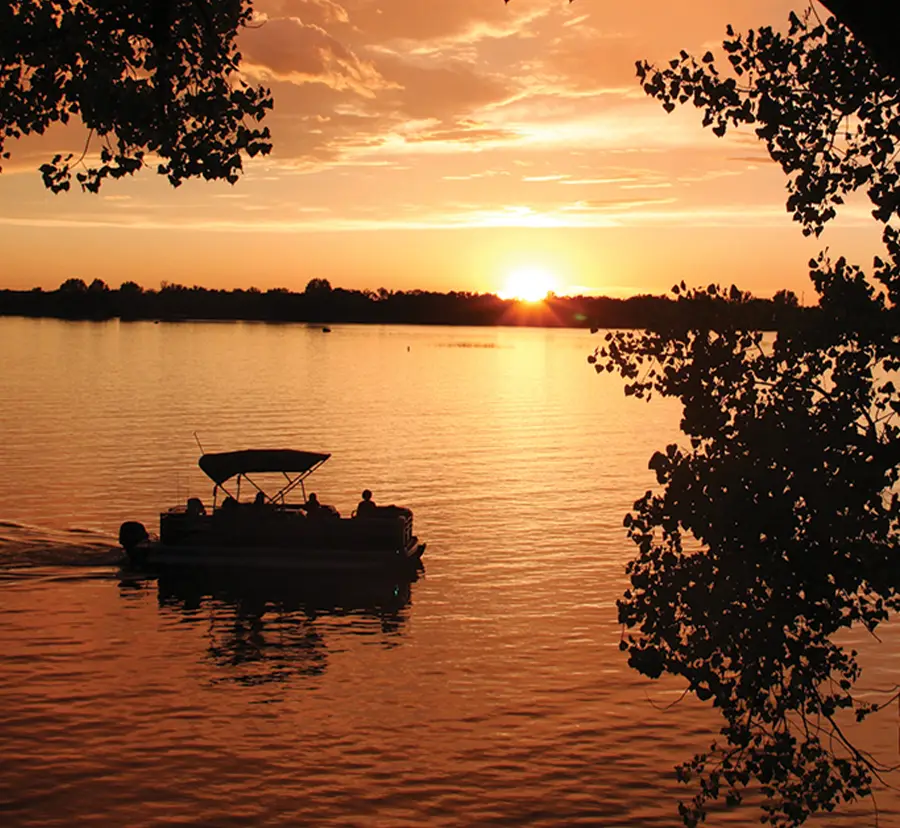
(249, 522)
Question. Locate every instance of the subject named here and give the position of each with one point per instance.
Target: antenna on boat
(199, 444)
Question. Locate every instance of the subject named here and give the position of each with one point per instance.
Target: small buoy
(326, 330)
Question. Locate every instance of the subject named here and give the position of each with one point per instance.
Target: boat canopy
(224, 465)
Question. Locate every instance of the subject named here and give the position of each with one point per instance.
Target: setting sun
(528, 284)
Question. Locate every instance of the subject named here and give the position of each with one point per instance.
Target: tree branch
(875, 24)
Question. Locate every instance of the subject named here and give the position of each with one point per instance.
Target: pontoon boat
(270, 532)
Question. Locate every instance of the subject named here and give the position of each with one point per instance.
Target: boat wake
(25, 546)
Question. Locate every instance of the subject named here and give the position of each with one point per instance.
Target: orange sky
(444, 145)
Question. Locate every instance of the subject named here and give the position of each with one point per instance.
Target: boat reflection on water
(262, 627)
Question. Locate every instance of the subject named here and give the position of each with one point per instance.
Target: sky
(447, 145)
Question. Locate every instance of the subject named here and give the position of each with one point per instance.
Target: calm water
(488, 692)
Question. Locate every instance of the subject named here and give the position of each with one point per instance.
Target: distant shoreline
(320, 304)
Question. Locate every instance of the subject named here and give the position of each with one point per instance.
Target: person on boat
(367, 507)
(260, 499)
(315, 508)
(312, 505)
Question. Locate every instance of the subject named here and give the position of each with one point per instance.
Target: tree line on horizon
(320, 303)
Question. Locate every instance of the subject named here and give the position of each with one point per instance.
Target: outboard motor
(132, 533)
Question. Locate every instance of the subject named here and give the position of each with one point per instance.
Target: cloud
(466, 132)
(622, 179)
(435, 25)
(287, 49)
(541, 178)
(617, 204)
(316, 12)
(445, 91)
(474, 175)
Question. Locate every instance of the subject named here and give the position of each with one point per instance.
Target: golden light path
(529, 284)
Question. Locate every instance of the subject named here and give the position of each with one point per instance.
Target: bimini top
(225, 465)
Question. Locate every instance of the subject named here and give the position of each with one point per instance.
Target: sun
(528, 284)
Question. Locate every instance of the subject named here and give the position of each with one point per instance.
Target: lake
(490, 691)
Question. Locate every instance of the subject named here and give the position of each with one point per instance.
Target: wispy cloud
(539, 178)
(287, 49)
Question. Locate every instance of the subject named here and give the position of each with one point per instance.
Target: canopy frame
(295, 465)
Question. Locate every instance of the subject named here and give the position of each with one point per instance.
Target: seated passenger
(260, 499)
(195, 507)
(317, 509)
(367, 507)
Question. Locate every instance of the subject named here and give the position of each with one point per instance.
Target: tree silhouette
(73, 286)
(777, 526)
(156, 77)
(318, 287)
(324, 304)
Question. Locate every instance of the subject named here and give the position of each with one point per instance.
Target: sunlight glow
(528, 284)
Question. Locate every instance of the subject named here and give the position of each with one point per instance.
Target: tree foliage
(318, 285)
(777, 527)
(153, 82)
(828, 114)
